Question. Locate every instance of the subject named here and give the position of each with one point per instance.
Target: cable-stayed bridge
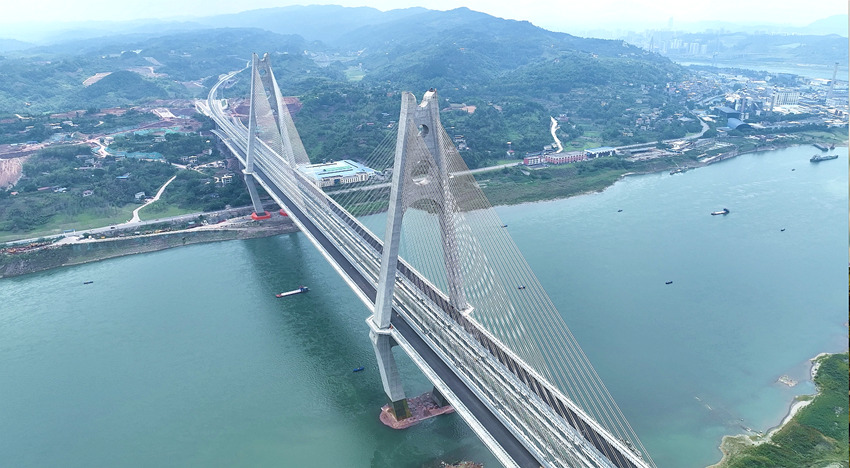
(445, 282)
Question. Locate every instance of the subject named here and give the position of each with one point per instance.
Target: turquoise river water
(185, 358)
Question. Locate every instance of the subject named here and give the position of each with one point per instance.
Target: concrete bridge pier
(438, 398)
(383, 344)
(259, 211)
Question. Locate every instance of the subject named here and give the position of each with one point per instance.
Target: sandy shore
(797, 405)
(732, 444)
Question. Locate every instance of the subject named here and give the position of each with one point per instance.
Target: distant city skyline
(604, 14)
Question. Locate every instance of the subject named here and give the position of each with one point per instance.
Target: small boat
(724, 211)
(782, 230)
(300, 290)
(88, 282)
(358, 369)
(792, 170)
(619, 211)
(669, 282)
(504, 225)
(520, 287)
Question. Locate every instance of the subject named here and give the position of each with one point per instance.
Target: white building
(337, 173)
(785, 98)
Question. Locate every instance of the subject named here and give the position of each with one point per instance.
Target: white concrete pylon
(420, 175)
(252, 144)
(266, 116)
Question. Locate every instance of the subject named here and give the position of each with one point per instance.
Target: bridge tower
(420, 176)
(265, 116)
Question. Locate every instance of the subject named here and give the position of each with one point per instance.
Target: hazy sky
(551, 14)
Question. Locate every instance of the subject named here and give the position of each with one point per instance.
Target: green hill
(471, 45)
(50, 79)
(325, 23)
(515, 74)
(123, 87)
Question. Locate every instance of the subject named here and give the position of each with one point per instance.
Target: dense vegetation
(40, 127)
(515, 74)
(109, 187)
(196, 191)
(174, 146)
(514, 185)
(58, 168)
(348, 119)
(122, 87)
(50, 79)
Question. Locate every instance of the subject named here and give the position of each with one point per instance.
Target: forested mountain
(836, 24)
(122, 86)
(467, 49)
(511, 75)
(47, 79)
(9, 45)
(405, 49)
(325, 23)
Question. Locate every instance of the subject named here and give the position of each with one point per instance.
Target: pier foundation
(390, 378)
(259, 211)
(422, 407)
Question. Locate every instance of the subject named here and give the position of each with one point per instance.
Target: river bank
(547, 188)
(79, 251)
(736, 449)
(517, 185)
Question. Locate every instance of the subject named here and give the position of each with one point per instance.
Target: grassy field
(159, 209)
(581, 144)
(836, 135)
(546, 184)
(354, 73)
(83, 221)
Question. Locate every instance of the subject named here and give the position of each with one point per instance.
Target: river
(821, 71)
(184, 357)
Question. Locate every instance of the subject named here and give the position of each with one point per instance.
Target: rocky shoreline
(731, 445)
